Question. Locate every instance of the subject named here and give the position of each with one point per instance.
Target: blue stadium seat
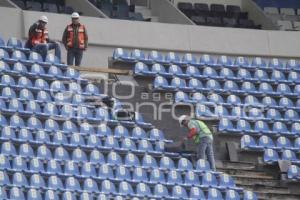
(7, 133)
(174, 178)
(19, 68)
(290, 155)
(248, 142)
(4, 163)
(195, 84)
(262, 127)
(103, 130)
(241, 62)
(292, 64)
(88, 170)
(114, 159)
(4, 67)
(294, 77)
(8, 93)
(121, 54)
(34, 124)
(149, 162)
(122, 173)
(293, 172)
(259, 62)
(138, 55)
(111, 143)
(215, 98)
(105, 172)
(72, 73)
(57, 86)
(69, 127)
(244, 74)
(44, 153)
(193, 72)
(202, 165)
(266, 142)
(86, 129)
(37, 70)
(43, 97)
(266, 88)
(7, 80)
(96, 157)
(225, 61)
(227, 182)
(34, 57)
(273, 114)
(91, 89)
(16, 122)
(72, 87)
(261, 75)
(161, 83)
(14, 43)
(160, 191)
(3, 193)
(255, 113)
(51, 195)
(270, 156)
(196, 193)
(15, 106)
(198, 97)
(179, 84)
(41, 84)
(79, 156)
(131, 160)
(230, 86)
(166, 163)
(17, 56)
(275, 63)
(121, 132)
(249, 87)
(36, 166)
(42, 137)
(62, 98)
(191, 179)
(233, 100)
(182, 97)
(76, 140)
(25, 150)
(158, 69)
(25, 95)
(297, 90)
(203, 110)
(71, 168)
(67, 111)
(19, 180)
(184, 164)
(19, 164)
(37, 181)
(4, 179)
(226, 126)
(206, 60)
(51, 125)
(238, 112)
(175, 70)
(189, 58)
(72, 184)
(16, 193)
(179, 192)
(55, 72)
(172, 57)
(93, 141)
(68, 196)
(107, 187)
(284, 89)
(142, 69)
(214, 194)
(209, 180)
(4, 55)
(61, 154)
(280, 128)
(90, 185)
(143, 190)
(144, 146)
(125, 189)
(269, 102)
(278, 77)
(2, 44)
(221, 111)
(210, 73)
(284, 143)
(291, 115)
(285, 103)
(295, 128)
(227, 74)
(55, 183)
(53, 60)
(78, 99)
(157, 176)
(155, 56)
(102, 114)
(232, 195)
(128, 145)
(139, 175)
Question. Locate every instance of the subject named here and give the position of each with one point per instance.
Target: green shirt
(201, 130)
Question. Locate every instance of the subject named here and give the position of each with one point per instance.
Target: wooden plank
(102, 70)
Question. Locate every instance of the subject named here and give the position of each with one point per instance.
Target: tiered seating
(56, 146)
(55, 6)
(217, 15)
(257, 98)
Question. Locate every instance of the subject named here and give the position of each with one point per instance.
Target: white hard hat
(44, 19)
(182, 118)
(75, 15)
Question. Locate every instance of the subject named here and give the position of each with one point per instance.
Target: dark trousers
(74, 54)
(43, 49)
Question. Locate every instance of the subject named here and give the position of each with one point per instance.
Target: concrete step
(276, 196)
(236, 165)
(249, 172)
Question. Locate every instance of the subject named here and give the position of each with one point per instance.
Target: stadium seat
(68, 196)
(138, 55)
(88, 170)
(241, 62)
(90, 185)
(42, 137)
(259, 62)
(114, 159)
(121, 54)
(290, 155)
(203, 110)
(291, 115)
(227, 74)
(280, 128)
(244, 74)
(209, 180)
(214, 194)
(293, 77)
(285, 103)
(107, 187)
(191, 179)
(273, 114)
(172, 57)
(179, 84)
(270, 156)
(131, 160)
(37, 181)
(61, 154)
(248, 142)
(269, 102)
(261, 127)
(155, 56)
(198, 97)
(275, 63)
(4, 163)
(293, 172)
(174, 178)
(55, 183)
(227, 182)
(51, 195)
(179, 192)
(36, 166)
(189, 58)
(195, 85)
(16, 193)
(249, 195)
(125, 189)
(19, 164)
(86, 128)
(25, 150)
(19, 68)
(3, 193)
(43, 152)
(69, 127)
(232, 195)
(161, 83)
(160, 191)
(149, 162)
(122, 173)
(193, 72)
(284, 143)
(139, 175)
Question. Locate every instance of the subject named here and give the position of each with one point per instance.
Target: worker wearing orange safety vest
(38, 39)
(75, 39)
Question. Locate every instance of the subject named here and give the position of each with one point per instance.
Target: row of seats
(54, 85)
(13, 44)
(274, 77)
(259, 127)
(230, 100)
(39, 70)
(121, 174)
(293, 173)
(225, 87)
(218, 10)
(271, 156)
(125, 191)
(19, 56)
(264, 141)
(205, 59)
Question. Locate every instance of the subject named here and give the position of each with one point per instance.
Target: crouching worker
(202, 136)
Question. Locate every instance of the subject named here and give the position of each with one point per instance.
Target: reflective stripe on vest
(80, 36)
(40, 37)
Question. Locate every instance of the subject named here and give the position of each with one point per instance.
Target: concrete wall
(7, 3)
(87, 8)
(168, 13)
(106, 34)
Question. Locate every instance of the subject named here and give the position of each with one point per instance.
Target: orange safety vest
(80, 36)
(41, 36)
